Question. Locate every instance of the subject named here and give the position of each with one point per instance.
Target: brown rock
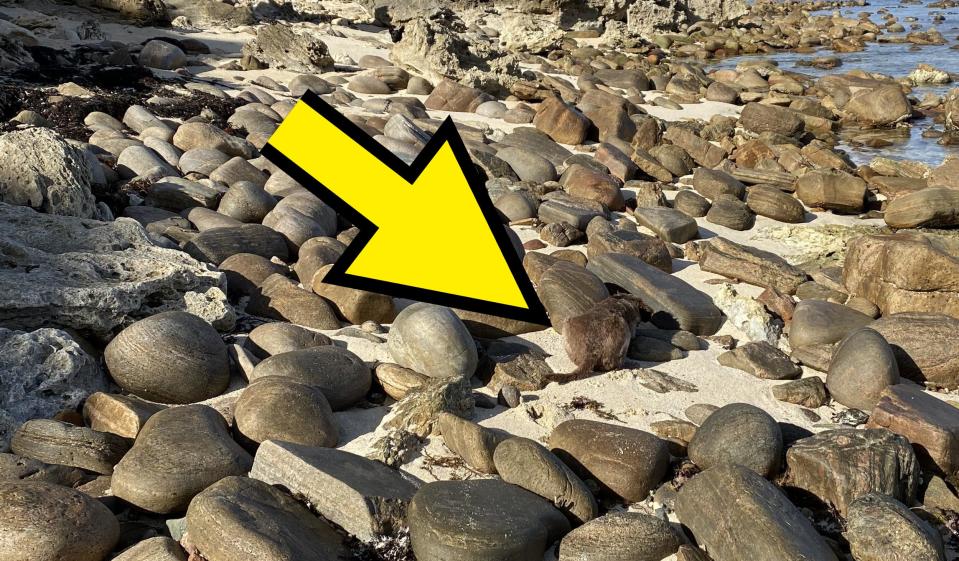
(562, 122)
(931, 425)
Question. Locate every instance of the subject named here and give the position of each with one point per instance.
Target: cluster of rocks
(166, 245)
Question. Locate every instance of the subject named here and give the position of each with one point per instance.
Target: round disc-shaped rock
(432, 341)
(341, 375)
(280, 408)
(172, 357)
(481, 520)
(42, 521)
(741, 434)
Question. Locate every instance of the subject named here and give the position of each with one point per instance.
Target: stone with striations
(740, 434)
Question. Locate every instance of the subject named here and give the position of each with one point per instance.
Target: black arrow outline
(446, 133)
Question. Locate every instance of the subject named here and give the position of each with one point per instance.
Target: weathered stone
(740, 434)
(121, 415)
(839, 466)
(354, 305)
(160, 548)
(41, 521)
(620, 536)
(242, 519)
(470, 441)
(481, 519)
(60, 443)
(180, 452)
(762, 360)
(586, 183)
(246, 202)
(281, 408)
(702, 151)
(362, 496)
(279, 297)
(834, 190)
(42, 373)
(925, 345)
(277, 338)
(525, 371)
(712, 183)
(17, 468)
(450, 96)
(432, 341)
(40, 169)
(862, 366)
(649, 249)
(736, 514)
(278, 45)
(936, 207)
(903, 274)
(245, 271)
(766, 200)
(216, 244)
(760, 118)
(528, 165)
(747, 264)
(627, 462)
(880, 528)
(162, 55)
(730, 212)
(807, 392)
(173, 357)
(880, 107)
(674, 303)
(691, 203)
(931, 425)
(817, 321)
(396, 380)
(568, 290)
(562, 122)
(669, 224)
(341, 375)
(204, 135)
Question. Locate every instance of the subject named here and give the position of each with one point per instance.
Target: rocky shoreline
(753, 342)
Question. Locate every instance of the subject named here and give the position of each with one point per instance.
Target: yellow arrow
(428, 230)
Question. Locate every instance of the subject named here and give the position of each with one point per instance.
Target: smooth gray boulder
(862, 366)
(740, 434)
(433, 341)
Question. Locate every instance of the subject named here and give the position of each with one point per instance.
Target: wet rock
(242, 519)
(621, 536)
(172, 357)
(880, 107)
(936, 207)
(626, 461)
(281, 408)
(739, 434)
(818, 321)
(807, 392)
(762, 360)
(42, 373)
(754, 266)
(842, 465)
(862, 366)
(880, 528)
(277, 45)
(41, 521)
(180, 452)
(342, 377)
(432, 341)
(60, 443)
(481, 519)
(674, 303)
(736, 514)
(924, 345)
(41, 169)
(362, 496)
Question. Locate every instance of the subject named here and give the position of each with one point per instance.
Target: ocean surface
(896, 60)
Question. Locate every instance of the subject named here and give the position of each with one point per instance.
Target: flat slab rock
(736, 515)
(675, 304)
(364, 497)
(481, 520)
(762, 360)
(750, 265)
(95, 276)
(930, 424)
